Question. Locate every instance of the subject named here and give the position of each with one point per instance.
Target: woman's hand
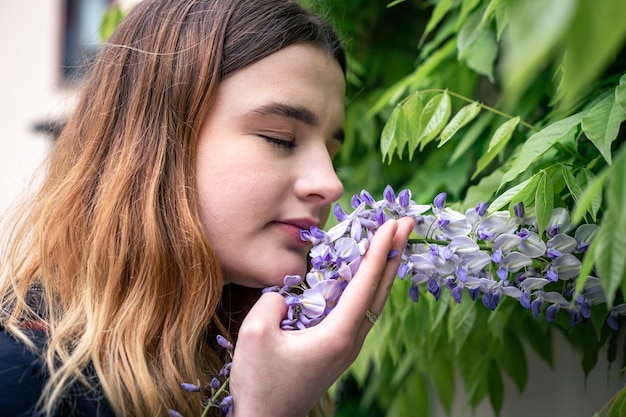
(284, 373)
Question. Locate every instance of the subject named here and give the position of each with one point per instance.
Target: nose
(317, 180)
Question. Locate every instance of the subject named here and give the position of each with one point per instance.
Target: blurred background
(43, 44)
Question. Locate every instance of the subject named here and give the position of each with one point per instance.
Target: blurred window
(81, 34)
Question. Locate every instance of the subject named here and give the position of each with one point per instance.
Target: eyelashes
(280, 143)
(290, 145)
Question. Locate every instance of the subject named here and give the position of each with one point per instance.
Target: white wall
(30, 88)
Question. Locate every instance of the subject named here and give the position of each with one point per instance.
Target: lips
(292, 227)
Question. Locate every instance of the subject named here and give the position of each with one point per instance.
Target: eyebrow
(299, 113)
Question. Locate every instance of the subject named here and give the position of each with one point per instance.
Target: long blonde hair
(110, 253)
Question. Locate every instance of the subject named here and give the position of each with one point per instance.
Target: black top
(22, 376)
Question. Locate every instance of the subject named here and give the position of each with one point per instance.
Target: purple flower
(457, 293)
(434, 288)
(312, 303)
(562, 243)
(389, 194)
(584, 235)
(559, 222)
(481, 209)
(535, 307)
(440, 200)
(190, 387)
(414, 292)
(551, 312)
(223, 342)
(491, 299)
(566, 266)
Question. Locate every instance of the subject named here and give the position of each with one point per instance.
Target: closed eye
(281, 143)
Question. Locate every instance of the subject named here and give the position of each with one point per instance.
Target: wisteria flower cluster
(490, 255)
(483, 254)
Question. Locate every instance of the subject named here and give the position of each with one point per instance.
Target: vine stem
(484, 106)
(221, 389)
(441, 242)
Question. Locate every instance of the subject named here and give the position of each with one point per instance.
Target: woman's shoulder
(22, 374)
(22, 377)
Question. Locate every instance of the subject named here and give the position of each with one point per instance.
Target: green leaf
(441, 371)
(590, 351)
(601, 124)
(595, 37)
(539, 336)
(503, 133)
(598, 321)
(488, 13)
(433, 63)
(440, 309)
(498, 141)
(512, 192)
(460, 120)
(513, 360)
(610, 253)
(468, 34)
(481, 55)
(496, 387)
(544, 201)
(434, 117)
(590, 197)
(484, 191)
(502, 18)
(540, 142)
(402, 130)
(461, 321)
(620, 93)
(411, 111)
(473, 132)
(387, 137)
(573, 185)
(535, 29)
(586, 177)
(416, 395)
(586, 267)
(527, 194)
(618, 407)
(438, 13)
(616, 187)
(478, 386)
(389, 97)
(467, 6)
(577, 185)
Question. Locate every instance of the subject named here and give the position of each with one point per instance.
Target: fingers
(373, 280)
(405, 226)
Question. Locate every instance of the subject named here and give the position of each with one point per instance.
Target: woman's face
(264, 162)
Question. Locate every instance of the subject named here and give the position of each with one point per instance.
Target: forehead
(300, 75)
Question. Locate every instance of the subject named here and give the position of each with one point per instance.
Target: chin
(266, 278)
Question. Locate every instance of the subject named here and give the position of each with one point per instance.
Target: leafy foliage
(497, 101)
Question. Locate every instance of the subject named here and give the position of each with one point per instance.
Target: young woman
(200, 146)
